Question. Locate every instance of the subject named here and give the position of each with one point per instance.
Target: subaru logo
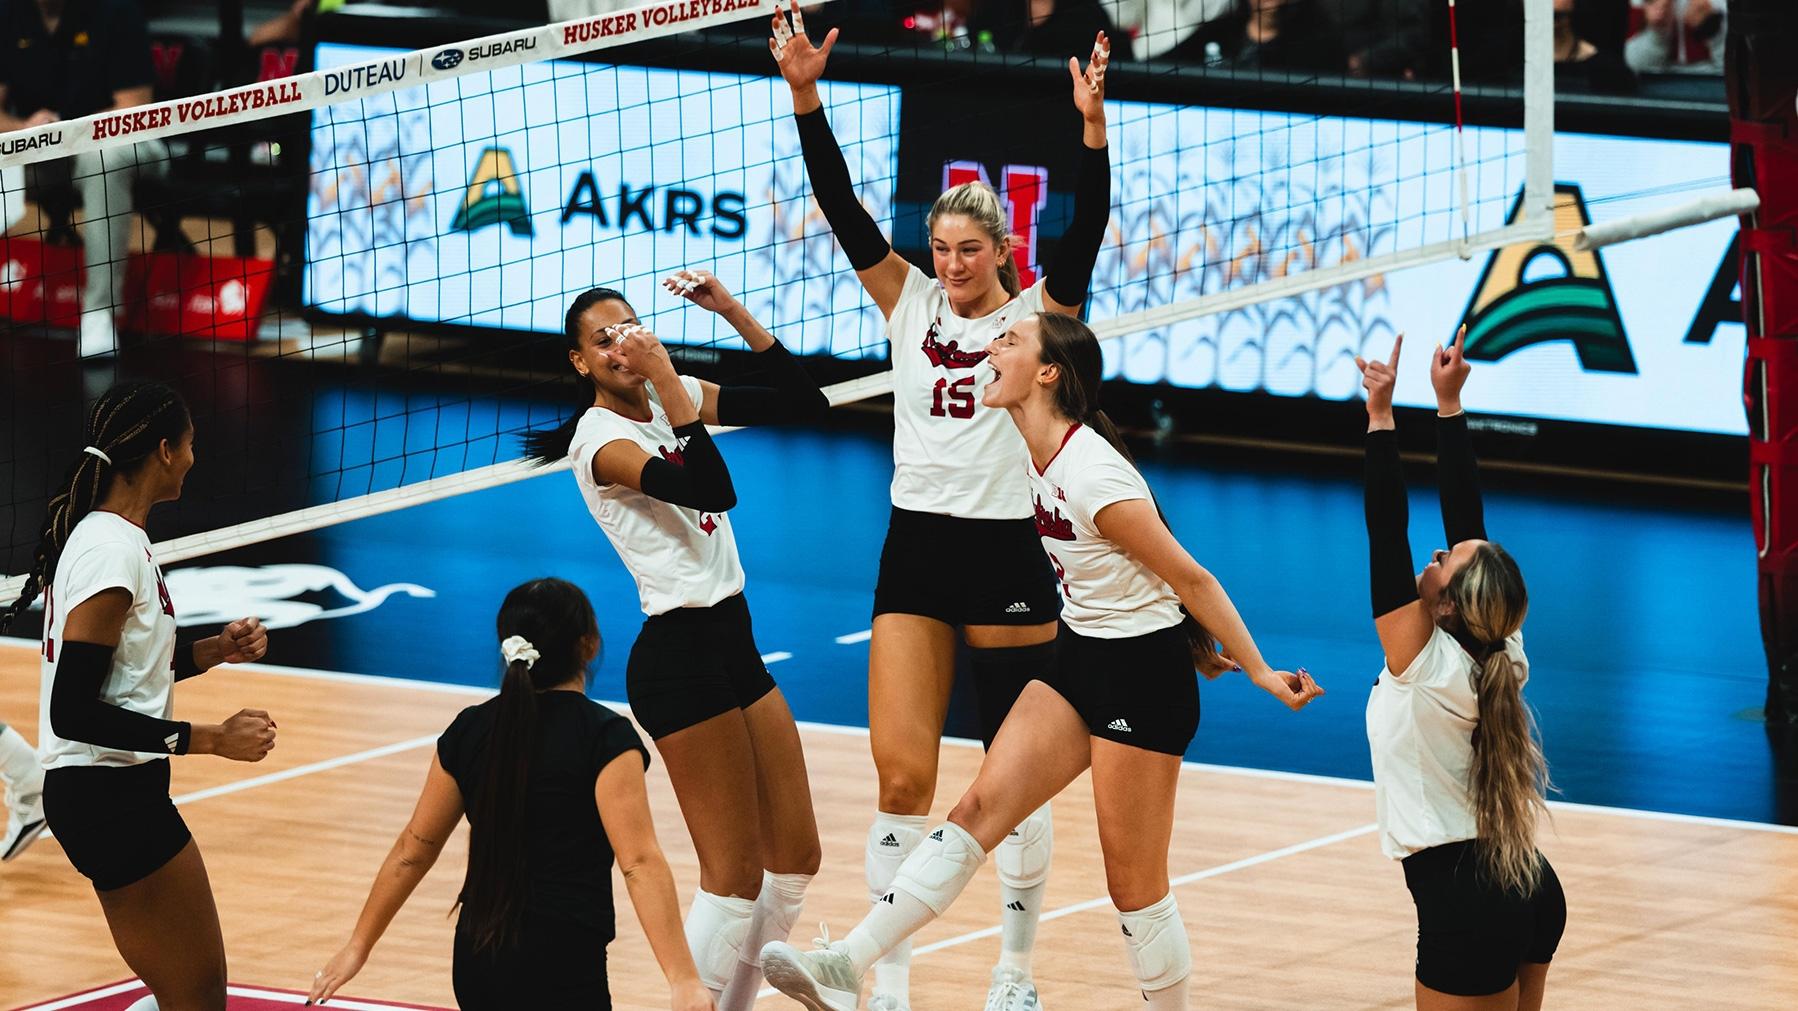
(447, 59)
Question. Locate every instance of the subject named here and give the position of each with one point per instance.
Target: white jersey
(1420, 728)
(680, 557)
(952, 455)
(107, 551)
(1106, 593)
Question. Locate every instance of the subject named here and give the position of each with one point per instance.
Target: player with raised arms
(960, 550)
(655, 483)
(1121, 698)
(1459, 776)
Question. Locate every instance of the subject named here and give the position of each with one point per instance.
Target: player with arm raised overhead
(655, 483)
(961, 552)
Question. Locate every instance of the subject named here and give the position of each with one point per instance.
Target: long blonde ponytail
(1510, 774)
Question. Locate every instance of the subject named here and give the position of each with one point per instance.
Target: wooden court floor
(1287, 899)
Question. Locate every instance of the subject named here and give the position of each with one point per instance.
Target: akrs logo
(505, 203)
(448, 59)
(1530, 294)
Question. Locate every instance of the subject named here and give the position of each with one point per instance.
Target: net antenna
(1531, 220)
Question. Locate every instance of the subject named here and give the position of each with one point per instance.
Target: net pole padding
(318, 88)
(1454, 67)
(1707, 207)
(1539, 118)
(317, 517)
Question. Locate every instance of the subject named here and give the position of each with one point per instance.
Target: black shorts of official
(1471, 934)
(115, 822)
(557, 964)
(965, 572)
(1141, 690)
(694, 663)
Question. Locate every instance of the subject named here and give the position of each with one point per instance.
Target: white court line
(854, 637)
(845, 731)
(277, 996)
(1184, 879)
(776, 657)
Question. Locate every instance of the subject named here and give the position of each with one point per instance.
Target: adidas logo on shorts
(1118, 725)
(1015, 906)
(936, 836)
(1018, 608)
(890, 840)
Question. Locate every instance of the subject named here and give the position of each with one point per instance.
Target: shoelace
(823, 942)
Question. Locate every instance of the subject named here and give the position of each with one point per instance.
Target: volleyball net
(358, 273)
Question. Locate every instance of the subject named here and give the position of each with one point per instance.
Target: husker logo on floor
(1511, 309)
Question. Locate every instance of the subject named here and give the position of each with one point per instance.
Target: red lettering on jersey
(162, 589)
(1053, 524)
(1025, 191)
(49, 623)
(707, 523)
(950, 355)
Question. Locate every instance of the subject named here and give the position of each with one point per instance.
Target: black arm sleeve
(1458, 478)
(699, 481)
(77, 713)
(855, 229)
(1388, 515)
(794, 397)
(185, 665)
(1071, 273)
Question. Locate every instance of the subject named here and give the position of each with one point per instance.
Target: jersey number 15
(952, 400)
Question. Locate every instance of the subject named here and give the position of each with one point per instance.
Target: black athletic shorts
(965, 572)
(115, 822)
(1471, 934)
(694, 663)
(557, 964)
(1141, 691)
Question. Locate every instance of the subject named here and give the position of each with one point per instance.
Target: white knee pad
(1022, 857)
(1155, 939)
(717, 926)
(940, 867)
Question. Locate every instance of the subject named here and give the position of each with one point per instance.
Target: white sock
(19, 770)
(1160, 955)
(717, 926)
(927, 883)
(1022, 859)
(891, 839)
(776, 910)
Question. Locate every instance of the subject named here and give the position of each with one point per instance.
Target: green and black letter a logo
(1572, 303)
(506, 203)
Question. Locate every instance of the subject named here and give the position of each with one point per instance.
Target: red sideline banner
(376, 77)
(119, 996)
(167, 294)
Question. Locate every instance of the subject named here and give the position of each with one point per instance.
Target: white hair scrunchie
(96, 451)
(517, 648)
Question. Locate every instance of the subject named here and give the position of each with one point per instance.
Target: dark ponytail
(128, 423)
(1072, 347)
(556, 619)
(550, 445)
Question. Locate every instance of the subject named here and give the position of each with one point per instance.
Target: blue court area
(1647, 664)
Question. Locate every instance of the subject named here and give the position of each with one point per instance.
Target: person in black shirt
(553, 787)
(1295, 36)
(62, 60)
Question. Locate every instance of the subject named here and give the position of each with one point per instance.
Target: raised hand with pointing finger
(1378, 378)
(1448, 373)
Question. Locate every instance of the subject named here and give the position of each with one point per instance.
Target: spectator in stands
(64, 59)
(1060, 28)
(1286, 35)
(1677, 36)
(1158, 27)
(1385, 38)
(1580, 65)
